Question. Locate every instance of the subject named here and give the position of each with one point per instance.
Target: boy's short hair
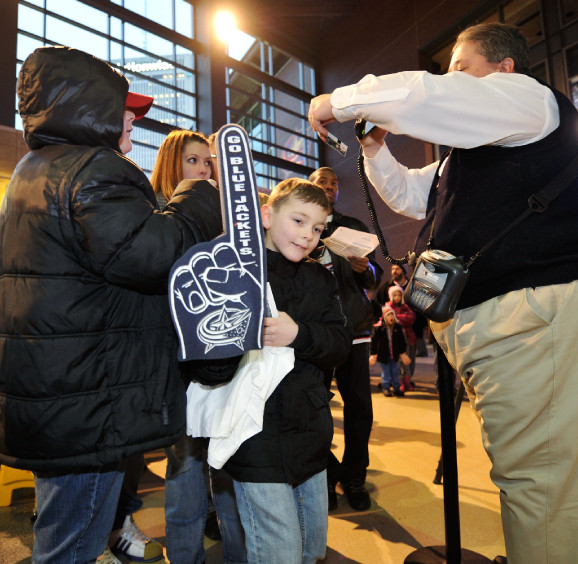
(298, 188)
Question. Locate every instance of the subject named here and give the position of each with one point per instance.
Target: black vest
(482, 190)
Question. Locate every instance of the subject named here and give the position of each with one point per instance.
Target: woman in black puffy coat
(88, 370)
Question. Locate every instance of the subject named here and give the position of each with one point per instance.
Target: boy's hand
(279, 331)
(372, 359)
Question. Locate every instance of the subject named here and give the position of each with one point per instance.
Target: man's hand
(321, 113)
(358, 264)
(373, 142)
(279, 331)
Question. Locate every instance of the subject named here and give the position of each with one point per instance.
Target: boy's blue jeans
(75, 514)
(284, 524)
(389, 375)
(186, 505)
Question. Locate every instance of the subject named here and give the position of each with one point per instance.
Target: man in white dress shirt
(512, 336)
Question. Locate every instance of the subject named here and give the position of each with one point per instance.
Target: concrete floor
(407, 508)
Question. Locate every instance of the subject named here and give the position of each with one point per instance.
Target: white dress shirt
(455, 109)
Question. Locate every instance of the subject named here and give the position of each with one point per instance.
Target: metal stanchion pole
(451, 553)
(457, 406)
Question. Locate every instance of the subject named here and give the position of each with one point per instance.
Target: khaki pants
(518, 357)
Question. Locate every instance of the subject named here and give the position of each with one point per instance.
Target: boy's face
(389, 318)
(294, 229)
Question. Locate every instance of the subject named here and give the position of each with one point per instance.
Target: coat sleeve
(405, 316)
(211, 372)
(373, 345)
(326, 341)
(120, 233)
(399, 340)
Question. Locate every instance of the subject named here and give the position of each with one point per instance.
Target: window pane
(278, 64)
(308, 79)
(17, 118)
(63, 33)
(26, 45)
(145, 147)
(239, 44)
(569, 10)
(526, 15)
(30, 20)
(275, 120)
(185, 104)
(268, 176)
(572, 65)
(115, 53)
(185, 57)
(157, 11)
(285, 103)
(572, 62)
(184, 18)
(540, 71)
(80, 13)
(443, 58)
(252, 55)
(116, 28)
(148, 41)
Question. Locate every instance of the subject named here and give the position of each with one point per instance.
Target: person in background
(85, 322)
(399, 278)
(183, 155)
(355, 275)
(406, 318)
(279, 473)
(388, 348)
(512, 337)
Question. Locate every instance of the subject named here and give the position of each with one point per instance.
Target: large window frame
(268, 92)
(136, 62)
(180, 74)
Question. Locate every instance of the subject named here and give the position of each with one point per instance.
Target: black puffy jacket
(297, 424)
(88, 363)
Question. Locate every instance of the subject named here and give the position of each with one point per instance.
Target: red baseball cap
(139, 104)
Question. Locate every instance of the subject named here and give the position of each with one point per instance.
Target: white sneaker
(107, 557)
(130, 542)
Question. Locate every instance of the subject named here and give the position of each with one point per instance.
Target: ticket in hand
(334, 143)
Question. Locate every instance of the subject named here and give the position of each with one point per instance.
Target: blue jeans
(284, 524)
(75, 514)
(129, 501)
(186, 505)
(389, 375)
